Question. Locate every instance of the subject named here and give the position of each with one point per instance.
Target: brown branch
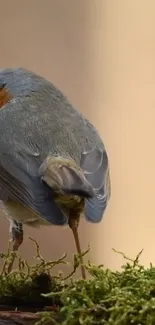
(21, 318)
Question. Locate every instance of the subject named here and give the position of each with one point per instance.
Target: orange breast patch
(5, 97)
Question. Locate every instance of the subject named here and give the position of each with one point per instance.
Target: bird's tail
(65, 176)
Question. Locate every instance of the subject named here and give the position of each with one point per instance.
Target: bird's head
(19, 82)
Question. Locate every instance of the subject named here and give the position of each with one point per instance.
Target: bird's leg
(17, 238)
(73, 224)
(17, 235)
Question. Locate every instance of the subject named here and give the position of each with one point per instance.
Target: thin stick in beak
(73, 224)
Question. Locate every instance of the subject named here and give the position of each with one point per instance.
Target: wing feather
(17, 184)
(96, 169)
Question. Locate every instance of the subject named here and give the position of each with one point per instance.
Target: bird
(54, 167)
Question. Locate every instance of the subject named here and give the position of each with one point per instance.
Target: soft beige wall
(101, 53)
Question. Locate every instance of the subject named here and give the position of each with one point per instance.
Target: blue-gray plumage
(48, 153)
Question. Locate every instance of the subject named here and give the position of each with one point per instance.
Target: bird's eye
(3, 85)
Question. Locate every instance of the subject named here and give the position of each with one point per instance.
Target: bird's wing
(96, 169)
(20, 182)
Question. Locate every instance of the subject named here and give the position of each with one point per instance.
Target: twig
(77, 263)
(134, 261)
(38, 255)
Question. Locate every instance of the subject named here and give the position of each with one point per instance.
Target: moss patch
(125, 297)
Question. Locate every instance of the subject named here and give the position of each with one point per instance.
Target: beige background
(101, 54)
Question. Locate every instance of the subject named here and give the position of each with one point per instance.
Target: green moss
(113, 298)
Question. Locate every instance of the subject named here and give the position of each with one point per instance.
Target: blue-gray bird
(53, 164)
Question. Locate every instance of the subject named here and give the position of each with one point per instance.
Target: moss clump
(23, 288)
(112, 298)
